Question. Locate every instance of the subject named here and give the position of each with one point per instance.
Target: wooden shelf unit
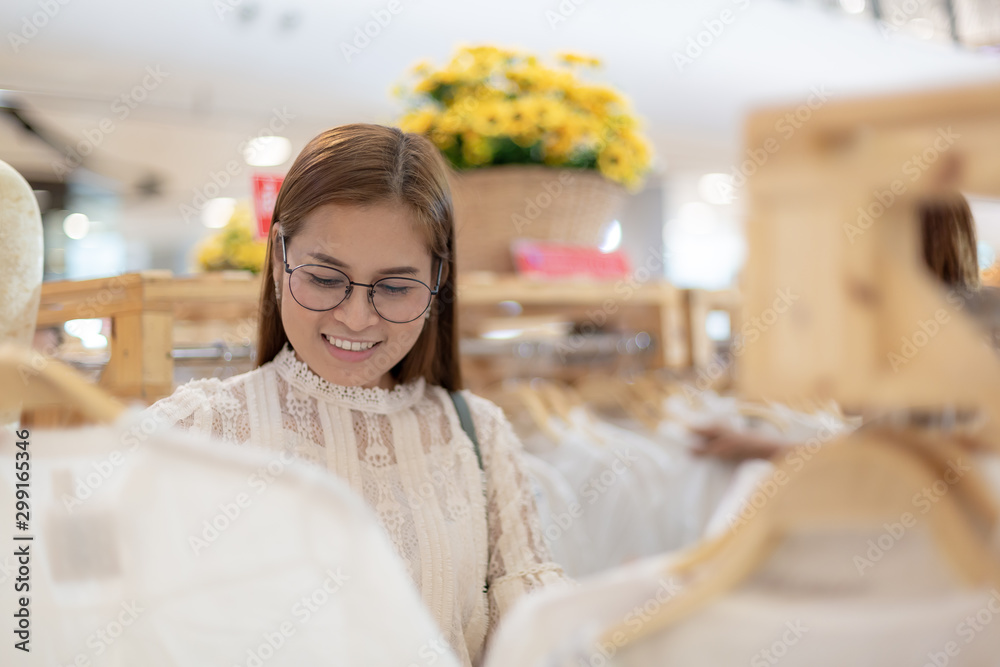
(145, 307)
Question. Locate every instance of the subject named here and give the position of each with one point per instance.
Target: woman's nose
(356, 311)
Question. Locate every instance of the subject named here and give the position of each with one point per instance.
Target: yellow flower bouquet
(492, 106)
(234, 247)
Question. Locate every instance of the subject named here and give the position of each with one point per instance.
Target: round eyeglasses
(395, 299)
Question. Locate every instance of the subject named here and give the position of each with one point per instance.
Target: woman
(357, 353)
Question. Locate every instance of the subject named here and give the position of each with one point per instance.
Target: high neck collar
(373, 399)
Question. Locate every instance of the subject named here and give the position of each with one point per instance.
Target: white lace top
(404, 451)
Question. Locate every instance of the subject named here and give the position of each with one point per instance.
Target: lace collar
(374, 399)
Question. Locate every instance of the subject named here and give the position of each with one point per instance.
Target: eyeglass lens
(323, 288)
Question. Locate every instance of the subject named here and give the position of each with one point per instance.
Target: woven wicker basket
(496, 205)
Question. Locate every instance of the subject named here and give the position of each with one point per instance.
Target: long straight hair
(363, 164)
(948, 233)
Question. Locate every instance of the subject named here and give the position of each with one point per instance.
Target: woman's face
(367, 244)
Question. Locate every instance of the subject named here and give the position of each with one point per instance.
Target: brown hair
(365, 164)
(948, 233)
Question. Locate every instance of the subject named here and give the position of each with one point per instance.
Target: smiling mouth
(351, 346)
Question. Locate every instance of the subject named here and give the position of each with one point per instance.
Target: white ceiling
(225, 76)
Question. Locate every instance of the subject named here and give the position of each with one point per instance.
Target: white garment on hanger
(403, 450)
(565, 530)
(813, 604)
(158, 548)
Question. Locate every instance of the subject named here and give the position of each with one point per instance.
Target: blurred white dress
(404, 451)
(163, 549)
(813, 604)
(611, 492)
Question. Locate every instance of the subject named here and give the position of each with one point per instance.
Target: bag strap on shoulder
(465, 417)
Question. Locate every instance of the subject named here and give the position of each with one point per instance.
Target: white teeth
(348, 345)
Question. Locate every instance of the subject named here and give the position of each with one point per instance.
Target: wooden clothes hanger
(564, 399)
(865, 479)
(764, 413)
(540, 413)
(557, 401)
(612, 390)
(29, 380)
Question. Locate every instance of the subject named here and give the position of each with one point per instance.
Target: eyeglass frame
(349, 290)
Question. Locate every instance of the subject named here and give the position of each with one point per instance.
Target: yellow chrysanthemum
(419, 121)
(452, 121)
(491, 118)
(523, 121)
(577, 59)
(234, 246)
(485, 94)
(613, 161)
(249, 256)
(598, 100)
(443, 140)
(422, 68)
(547, 113)
(476, 149)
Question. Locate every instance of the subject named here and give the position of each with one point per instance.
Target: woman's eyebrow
(326, 259)
(333, 261)
(396, 270)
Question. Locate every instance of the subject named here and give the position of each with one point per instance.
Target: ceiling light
(716, 188)
(217, 212)
(853, 6)
(76, 225)
(267, 151)
(612, 237)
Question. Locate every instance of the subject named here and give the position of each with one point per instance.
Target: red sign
(550, 260)
(265, 193)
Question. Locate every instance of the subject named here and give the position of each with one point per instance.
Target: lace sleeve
(209, 407)
(519, 558)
